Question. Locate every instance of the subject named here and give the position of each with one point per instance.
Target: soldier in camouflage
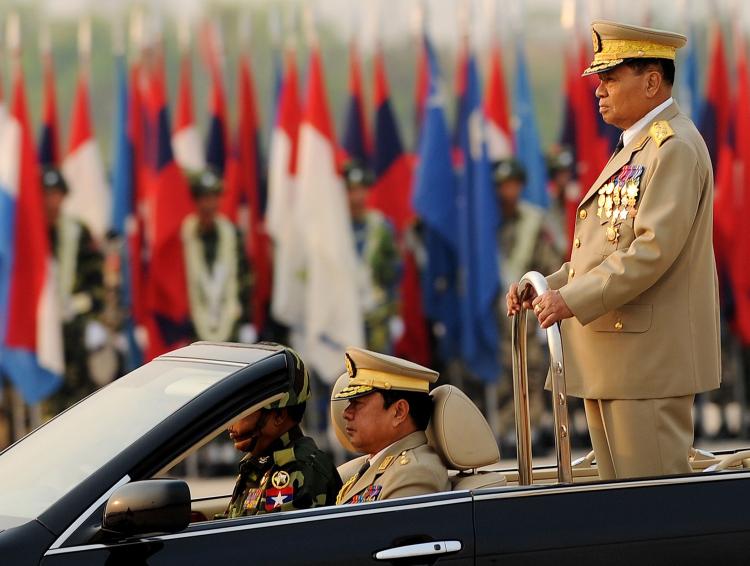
(378, 266)
(283, 469)
(80, 285)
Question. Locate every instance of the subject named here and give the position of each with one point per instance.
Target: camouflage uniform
(379, 272)
(295, 475)
(82, 301)
(292, 473)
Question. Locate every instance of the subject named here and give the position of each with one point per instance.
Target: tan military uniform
(644, 294)
(408, 467)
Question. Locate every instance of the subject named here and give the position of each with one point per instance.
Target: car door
(678, 520)
(415, 530)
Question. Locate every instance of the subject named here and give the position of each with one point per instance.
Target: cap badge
(351, 367)
(596, 40)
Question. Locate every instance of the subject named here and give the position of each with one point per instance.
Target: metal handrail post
(521, 390)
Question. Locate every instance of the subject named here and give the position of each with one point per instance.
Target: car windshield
(56, 458)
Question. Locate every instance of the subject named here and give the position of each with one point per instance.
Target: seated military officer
(283, 469)
(389, 409)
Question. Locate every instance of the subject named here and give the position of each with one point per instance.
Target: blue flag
(435, 203)
(528, 146)
(122, 208)
(688, 79)
(478, 224)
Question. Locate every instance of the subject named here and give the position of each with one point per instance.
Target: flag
(435, 203)
(355, 139)
(391, 194)
(421, 88)
(287, 298)
(460, 78)
(526, 136)
(246, 179)
(32, 348)
(715, 115)
(169, 202)
(217, 141)
(735, 243)
(49, 144)
(499, 140)
(89, 196)
(688, 78)
(123, 210)
(333, 315)
(188, 151)
(478, 222)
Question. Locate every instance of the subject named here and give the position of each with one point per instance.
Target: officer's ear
(401, 411)
(654, 80)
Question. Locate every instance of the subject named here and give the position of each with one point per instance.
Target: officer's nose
(348, 413)
(600, 91)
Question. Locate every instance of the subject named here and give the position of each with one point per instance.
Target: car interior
(462, 437)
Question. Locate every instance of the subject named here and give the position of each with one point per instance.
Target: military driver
(389, 408)
(283, 469)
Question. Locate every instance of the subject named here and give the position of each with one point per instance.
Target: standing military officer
(378, 266)
(217, 271)
(80, 285)
(389, 409)
(638, 299)
(283, 469)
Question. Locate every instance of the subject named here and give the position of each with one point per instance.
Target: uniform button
(618, 325)
(582, 214)
(572, 273)
(577, 243)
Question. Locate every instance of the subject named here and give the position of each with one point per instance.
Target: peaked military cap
(205, 182)
(508, 169)
(370, 371)
(355, 173)
(52, 179)
(615, 42)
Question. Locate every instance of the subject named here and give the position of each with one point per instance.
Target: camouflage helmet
(510, 169)
(53, 180)
(206, 182)
(299, 384)
(356, 173)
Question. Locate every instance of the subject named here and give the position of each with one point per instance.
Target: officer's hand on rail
(514, 301)
(550, 308)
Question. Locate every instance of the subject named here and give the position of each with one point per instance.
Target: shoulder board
(387, 461)
(660, 131)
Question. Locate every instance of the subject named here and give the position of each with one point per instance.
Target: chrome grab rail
(537, 281)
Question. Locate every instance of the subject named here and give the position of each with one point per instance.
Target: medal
(601, 199)
(611, 233)
(280, 479)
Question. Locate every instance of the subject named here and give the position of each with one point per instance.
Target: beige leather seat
(458, 432)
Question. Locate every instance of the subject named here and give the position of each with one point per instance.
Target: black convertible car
(89, 487)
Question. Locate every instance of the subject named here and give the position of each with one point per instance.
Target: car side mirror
(148, 507)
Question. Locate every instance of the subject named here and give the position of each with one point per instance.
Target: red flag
(243, 176)
(188, 150)
(499, 138)
(89, 196)
(716, 113)
(355, 142)
(735, 234)
(170, 202)
(421, 87)
(49, 142)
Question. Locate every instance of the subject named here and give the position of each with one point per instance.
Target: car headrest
(337, 413)
(458, 431)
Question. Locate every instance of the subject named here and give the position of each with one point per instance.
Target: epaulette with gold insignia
(387, 461)
(661, 131)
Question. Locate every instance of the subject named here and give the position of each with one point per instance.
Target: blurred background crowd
(324, 174)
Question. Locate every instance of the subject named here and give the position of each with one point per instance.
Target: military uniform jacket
(643, 290)
(408, 467)
(294, 475)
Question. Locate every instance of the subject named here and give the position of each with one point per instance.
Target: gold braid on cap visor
(368, 379)
(631, 49)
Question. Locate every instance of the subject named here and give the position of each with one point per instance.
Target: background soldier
(217, 270)
(283, 469)
(80, 286)
(523, 247)
(378, 262)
